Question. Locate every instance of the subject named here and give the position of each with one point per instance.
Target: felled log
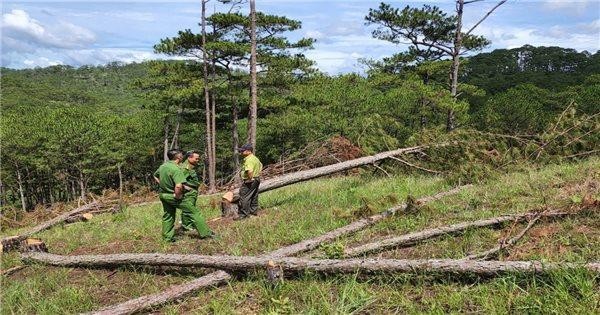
(216, 278)
(295, 264)
(231, 198)
(12, 242)
(83, 217)
(33, 245)
(412, 238)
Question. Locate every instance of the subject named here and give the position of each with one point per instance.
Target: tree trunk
(213, 131)
(252, 114)
(82, 186)
(175, 139)
(21, 192)
(207, 105)
(412, 238)
(294, 264)
(120, 182)
(166, 138)
(219, 277)
(236, 141)
(451, 120)
(292, 178)
(9, 243)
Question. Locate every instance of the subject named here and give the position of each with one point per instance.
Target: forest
(69, 132)
(446, 177)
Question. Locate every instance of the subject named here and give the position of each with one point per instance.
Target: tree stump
(229, 206)
(33, 245)
(274, 273)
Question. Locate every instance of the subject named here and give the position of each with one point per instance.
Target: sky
(43, 33)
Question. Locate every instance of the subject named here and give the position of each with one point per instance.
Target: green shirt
(251, 163)
(191, 176)
(169, 175)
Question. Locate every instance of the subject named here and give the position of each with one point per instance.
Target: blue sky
(43, 33)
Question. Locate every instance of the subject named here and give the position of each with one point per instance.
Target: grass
(309, 209)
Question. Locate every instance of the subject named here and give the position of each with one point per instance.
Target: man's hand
(157, 180)
(178, 191)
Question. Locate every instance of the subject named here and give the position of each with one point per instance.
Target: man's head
(193, 157)
(175, 155)
(246, 149)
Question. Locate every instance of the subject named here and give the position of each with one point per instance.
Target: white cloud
(40, 62)
(569, 6)
(24, 33)
(558, 35)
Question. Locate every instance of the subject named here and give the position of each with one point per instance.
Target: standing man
(251, 180)
(170, 179)
(190, 187)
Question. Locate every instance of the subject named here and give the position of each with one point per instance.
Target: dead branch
(412, 238)
(504, 245)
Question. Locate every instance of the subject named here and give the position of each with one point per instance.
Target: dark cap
(245, 147)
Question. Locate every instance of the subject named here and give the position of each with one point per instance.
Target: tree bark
(219, 277)
(11, 242)
(412, 238)
(252, 114)
(213, 144)
(294, 264)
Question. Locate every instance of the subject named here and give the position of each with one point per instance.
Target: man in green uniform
(170, 179)
(251, 177)
(192, 182)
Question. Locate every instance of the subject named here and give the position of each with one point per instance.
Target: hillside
(309, 209)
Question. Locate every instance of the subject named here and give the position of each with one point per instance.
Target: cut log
(274, 273)
(412, 238)
(12, 242)
(281, 181)
(504, 245)
(80, 218)
(295, 264)
(213, 279)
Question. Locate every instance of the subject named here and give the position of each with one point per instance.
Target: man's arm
(250, 175)
(157, 180)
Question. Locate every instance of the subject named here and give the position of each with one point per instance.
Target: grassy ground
(309, 209)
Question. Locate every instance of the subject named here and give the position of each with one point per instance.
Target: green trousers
(187, 222)
(192, 216)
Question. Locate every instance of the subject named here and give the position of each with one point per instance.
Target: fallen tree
(412, 238)
(229, 200)
(12, 242)
(295, 264)
(219, 277)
